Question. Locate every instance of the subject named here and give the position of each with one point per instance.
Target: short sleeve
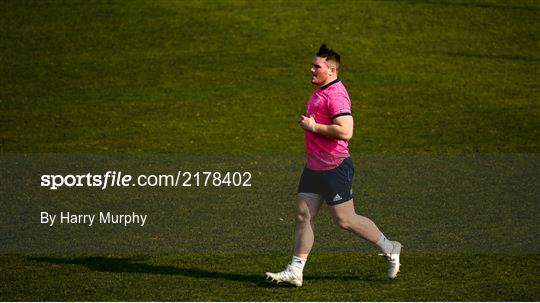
(339, 104)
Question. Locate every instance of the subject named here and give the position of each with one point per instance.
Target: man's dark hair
(329, 54)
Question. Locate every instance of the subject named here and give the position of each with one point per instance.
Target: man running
(329, 170)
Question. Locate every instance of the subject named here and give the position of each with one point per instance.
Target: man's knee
(307, 209)
(343, 222)
(303, 217)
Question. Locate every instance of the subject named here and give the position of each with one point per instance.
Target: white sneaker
(392, 260)
(290, 275)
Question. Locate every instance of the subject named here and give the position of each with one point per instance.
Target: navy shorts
(335, 186)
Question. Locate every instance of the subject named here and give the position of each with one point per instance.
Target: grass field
(230, 77)
(171, 76)
(238, 277)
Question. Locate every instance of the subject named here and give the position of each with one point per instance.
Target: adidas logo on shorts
(337, 198)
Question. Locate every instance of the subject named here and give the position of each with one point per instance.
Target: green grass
(183, 76)
(212, 77)
(329, 277)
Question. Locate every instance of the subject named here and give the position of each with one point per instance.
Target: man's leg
(307, 207)
(346, 218)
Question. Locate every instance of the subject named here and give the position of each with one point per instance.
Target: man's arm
(342, 127)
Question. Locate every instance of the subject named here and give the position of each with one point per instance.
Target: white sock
(298, 262)
(385, 245)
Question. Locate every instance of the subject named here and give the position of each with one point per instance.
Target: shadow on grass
(137, 266)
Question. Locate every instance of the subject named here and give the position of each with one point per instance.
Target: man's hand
(342, 127)
(308, 123)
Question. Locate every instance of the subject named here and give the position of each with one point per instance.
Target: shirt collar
(329, 84)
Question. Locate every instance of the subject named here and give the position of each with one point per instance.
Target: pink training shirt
(327, 103)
